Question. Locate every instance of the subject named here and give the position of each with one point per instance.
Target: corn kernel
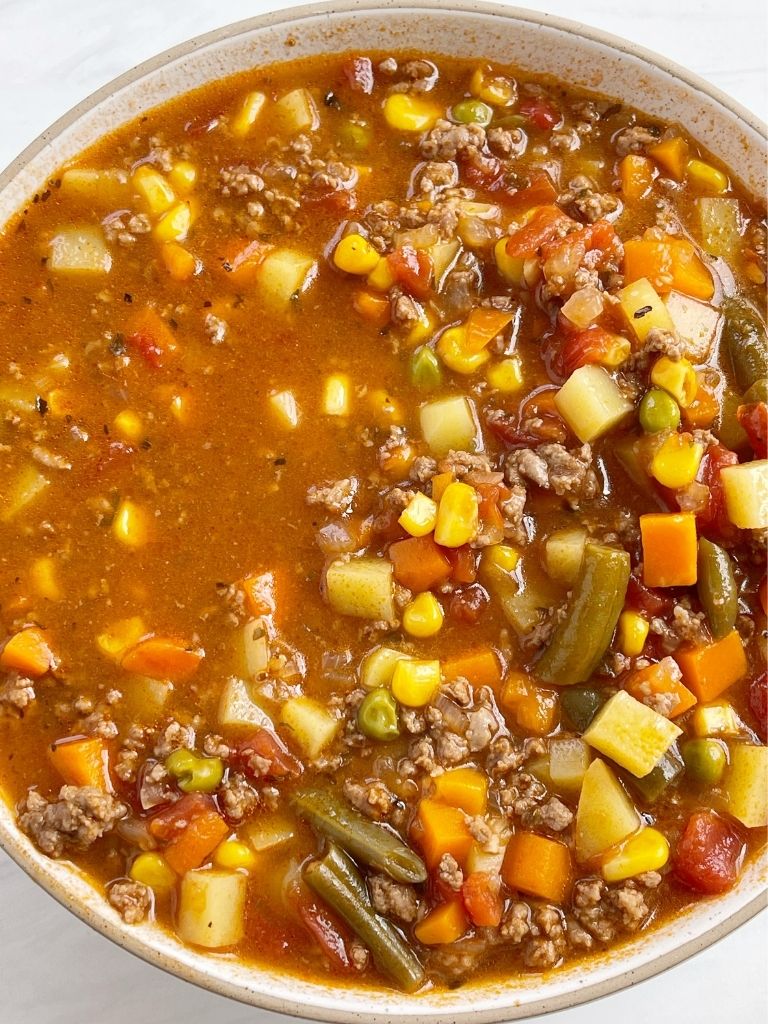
(128, 426)
(183, 177)
(676, 462)
(633, 631)
(422, 328)
(706, 176)
(247, 114)
(505, 375)
(497, 90)
(420, 515)
(336, 395)
(381, 278)
(451, 347)
(174, 225)
(423, 616)
(415, 683)
(180, 406)
(284, 406)
(457, 516)
(410, 113)
(120, 637)
(501, 556)
(152, 869)
(355, 255)
(234, 854)
(646, 850)
(154, 189)
(678, 377)
(387, 411)
(717, 718)
(42, 577)
(131, 525)
(179, 263)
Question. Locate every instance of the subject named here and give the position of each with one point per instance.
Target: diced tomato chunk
(539, 192)
(543, 227)
(329, 933)
(463, 563)
(412, 269)
(481, 894)
(169, 823)
(754, 422)
(543, 113)
(709, 853)
(581, 348)
(468, 604)
(713, 519)
(150, 336)
(643, 599)
(265, 756)
(482, 172)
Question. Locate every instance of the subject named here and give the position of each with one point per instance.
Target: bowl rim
(127, 937)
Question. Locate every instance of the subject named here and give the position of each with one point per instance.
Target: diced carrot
(480, 668)
(28, 652)
(703, 410)
(636, 174)
(465, 788)
(489, 509)
(161, 657)
(463, 566)
(81, 762)
(535, 708)
(667, 264)
(483, 324)
(658, 679)
(671, 155)
(669, 549)
(482, 898)
(196, 842)
(439, 483)
(540, 192)
(419, 563)
(179, 263)
(543, 227)
(709, 669)
(537, 866)
(446, 923)
(371, 307)
(442, 829)
(240, 259)
(412, 268)
(259, 591)
(148, 334)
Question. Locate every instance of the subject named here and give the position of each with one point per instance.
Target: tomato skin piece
(326, 930)
(264, 745)
(753, 419)
(713, 520)
(543, 114)
(709, 854)
(412, 269)
(481, 894)
(643, 599)
(468, 604)
(582, 348)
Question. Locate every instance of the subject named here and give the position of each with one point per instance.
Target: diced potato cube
(79, 250)
(563, 554)
(584, 306)
(746, 784)
(378, 667)
(720, 226)
(605, 814)
(746, 494)
(296, 112)
(212, 908)
(28, 485)
(450, 424)
(361, 587)
(118, 638)
(252, 648)
(718, 718)
(237, 708)
(443, 256)
(313, 727)
(106, 188)
(337, 395)
(591, 403)
(283, 274)
(268, 832)
(568, 763)
(147, 696)
(631, 734)
(285, 408)
(695, 322)
(247, 114)
(643, 308)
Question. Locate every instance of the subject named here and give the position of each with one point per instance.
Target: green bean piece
(757, 393)
(372, 844)
(336, 880)
(377, 715)
(195, 774)
(582, 637)
(580, 705)
(744, 339)
(705, 760)
(654, 784)
(717, 589)
(472, 112)
(424, 369)
(658, 411)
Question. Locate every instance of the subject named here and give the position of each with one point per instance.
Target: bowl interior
(531, 42)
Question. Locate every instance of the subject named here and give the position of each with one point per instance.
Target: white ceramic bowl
(533, 42)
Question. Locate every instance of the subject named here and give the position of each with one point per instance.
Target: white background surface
(52, 54)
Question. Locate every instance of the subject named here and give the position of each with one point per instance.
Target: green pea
(195, 774)
(377, 715)
(472, 112)
(424, 369)
(659, 411)
(705, 761)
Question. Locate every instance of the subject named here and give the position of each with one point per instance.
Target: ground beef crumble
(75, 819)
(132, 900)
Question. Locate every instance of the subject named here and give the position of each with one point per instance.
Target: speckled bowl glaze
(533, 42)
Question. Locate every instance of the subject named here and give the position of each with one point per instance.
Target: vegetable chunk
(630, 733)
